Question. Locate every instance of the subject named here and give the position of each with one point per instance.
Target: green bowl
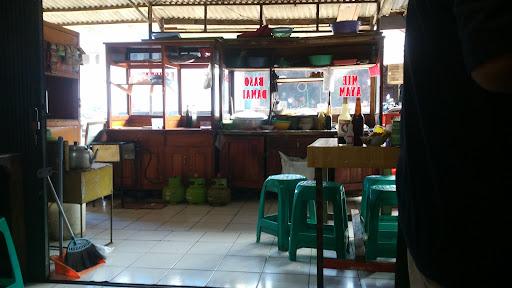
(282, 32)
(320, 60)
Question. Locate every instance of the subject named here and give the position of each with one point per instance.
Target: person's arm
(483, 31)
(494, 75)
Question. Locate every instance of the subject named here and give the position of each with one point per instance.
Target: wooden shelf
(297, 80)
(63, 74)
(138, 64)
(248, 69)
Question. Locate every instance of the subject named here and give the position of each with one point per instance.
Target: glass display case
(151, 84)
(284, 75)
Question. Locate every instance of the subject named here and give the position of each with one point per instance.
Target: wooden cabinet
(242, 161)
(62, 81)
(161, 154)
(189, 154)
(188, 162)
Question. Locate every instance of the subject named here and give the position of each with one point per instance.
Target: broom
(81, 253)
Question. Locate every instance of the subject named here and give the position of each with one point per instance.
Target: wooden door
(243, 161)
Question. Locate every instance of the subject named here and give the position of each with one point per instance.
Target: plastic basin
(320, 60)
(282, 32)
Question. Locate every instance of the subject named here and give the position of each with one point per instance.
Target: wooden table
(326, 153)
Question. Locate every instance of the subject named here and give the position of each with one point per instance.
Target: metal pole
(317, 16)
(150, 21)
(205, 25)
(60, 185)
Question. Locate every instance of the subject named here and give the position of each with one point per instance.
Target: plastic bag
(104, 250)
(296, 165)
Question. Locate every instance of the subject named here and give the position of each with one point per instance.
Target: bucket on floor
(72, 212)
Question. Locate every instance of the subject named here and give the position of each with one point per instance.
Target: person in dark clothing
(457, 83)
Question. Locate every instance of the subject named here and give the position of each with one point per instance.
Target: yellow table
(86, 185)
(327, 153)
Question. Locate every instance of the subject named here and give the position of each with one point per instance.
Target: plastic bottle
(344, 120)
(320, 123)
(188, 118)
(358, 123)
(328, 118)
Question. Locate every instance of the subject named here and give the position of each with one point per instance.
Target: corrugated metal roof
(73, 12)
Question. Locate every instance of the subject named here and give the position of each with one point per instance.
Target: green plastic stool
(382, 229)
(278, 224)
(303, 233)
(15, 266)
(368, 182)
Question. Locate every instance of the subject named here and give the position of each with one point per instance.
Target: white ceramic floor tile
(250, 249)
(184, 236)
(40, 285)
(172, 247)
(241, 227)
(145, 225)
(133, 246)
(226, 237)
(135, 275)
(216, 218)
(274, 252)
(116, 234)
(335, 282)
(209, 227)
(149, 235)
(333, 272)
(102, 273)
(250, 237)
(196, 278)
(247, 219)
(199, 262)
(283, 265)
(218, 248)
(122, 258)
(177, 226)
(269, 280)
(377, 283)
(154, 260)
(242, 263)
(234, 279)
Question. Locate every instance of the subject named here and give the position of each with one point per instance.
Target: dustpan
(62, 269)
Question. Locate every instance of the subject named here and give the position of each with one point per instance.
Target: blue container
(344, 27)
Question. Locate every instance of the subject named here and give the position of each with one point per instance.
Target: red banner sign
(254, 88)
(350, 86)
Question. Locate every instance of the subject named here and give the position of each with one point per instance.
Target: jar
(174, 192)
(196, 192)
(219, 194)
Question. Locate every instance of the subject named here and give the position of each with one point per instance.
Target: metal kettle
(81, 157)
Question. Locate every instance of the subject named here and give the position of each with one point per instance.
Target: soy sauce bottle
(358, 123)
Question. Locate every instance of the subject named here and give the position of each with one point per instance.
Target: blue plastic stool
(17, 281)
(278, 224)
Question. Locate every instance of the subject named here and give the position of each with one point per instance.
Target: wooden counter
(160, 154)
(326, 153)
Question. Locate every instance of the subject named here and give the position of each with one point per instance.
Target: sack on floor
(296, 165)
